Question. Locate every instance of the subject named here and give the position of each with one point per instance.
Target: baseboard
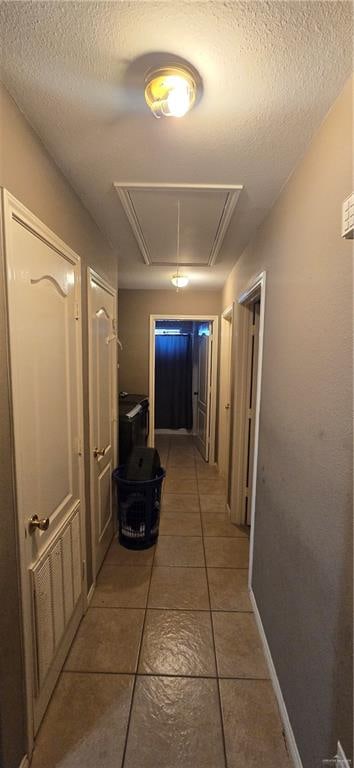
(288, 731)
(24, 762)
(90, 593)
(176, 432)
(342, 760)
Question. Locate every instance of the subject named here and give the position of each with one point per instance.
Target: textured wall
(302, 575)
(135, 308)
(28, 172)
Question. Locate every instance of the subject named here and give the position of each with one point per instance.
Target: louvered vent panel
(57, 586)
(44, 618)
(67, 574)
(76, 555)
(56, 567)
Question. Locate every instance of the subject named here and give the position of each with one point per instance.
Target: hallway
(167, 669)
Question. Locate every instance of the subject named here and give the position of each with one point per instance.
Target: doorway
(174, 346)
(249, 321)
(225, 414)
(182, 376)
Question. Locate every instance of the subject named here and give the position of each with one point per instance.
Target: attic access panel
(205, 214)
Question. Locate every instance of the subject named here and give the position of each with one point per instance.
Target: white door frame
(112, 291)
(13, 209)
(256, 286)
(214, 319)
(226, 322)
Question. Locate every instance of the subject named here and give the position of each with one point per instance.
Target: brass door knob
(35, 523)
(227, 406)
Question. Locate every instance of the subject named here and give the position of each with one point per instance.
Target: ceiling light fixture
(179, 281)
(170, 91)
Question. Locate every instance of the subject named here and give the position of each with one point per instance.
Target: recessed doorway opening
(226, 398)
(182, 376)
(249, 324)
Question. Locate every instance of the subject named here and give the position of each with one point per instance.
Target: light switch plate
(348, 217)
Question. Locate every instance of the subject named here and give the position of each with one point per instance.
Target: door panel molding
(102, 310)
(52, 281)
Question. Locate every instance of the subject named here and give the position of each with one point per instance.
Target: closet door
(43, 277)
(204, 394)
(102, 306)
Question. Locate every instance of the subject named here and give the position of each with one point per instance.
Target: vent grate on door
(57, 587)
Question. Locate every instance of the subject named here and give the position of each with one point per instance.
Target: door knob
(99, 452)
(35, 522)
(227, 406)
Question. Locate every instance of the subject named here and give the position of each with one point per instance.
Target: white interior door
(225, 397)
(103, 410)
(43, 278)
(251, 400)
(204, 393)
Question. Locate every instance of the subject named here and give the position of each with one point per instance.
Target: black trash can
(138, 509)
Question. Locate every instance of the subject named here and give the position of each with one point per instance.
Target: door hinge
(77, 311)
(79, 446)
(83, 569)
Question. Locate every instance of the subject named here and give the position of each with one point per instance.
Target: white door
(103, 410)
(251, 401)
(204, 394)
(225, 397)
(43, 277)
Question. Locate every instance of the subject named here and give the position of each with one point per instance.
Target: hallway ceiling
(270, 72)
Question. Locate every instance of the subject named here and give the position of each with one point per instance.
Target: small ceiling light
(170, 92)
(179, 281)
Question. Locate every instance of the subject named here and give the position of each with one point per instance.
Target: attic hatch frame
(124, 190)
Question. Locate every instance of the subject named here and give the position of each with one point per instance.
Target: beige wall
(135, 308)
(29, 173)
(302, 575)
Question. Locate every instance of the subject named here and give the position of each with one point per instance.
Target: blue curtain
(173, 382)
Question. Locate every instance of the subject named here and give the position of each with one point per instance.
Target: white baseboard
(90, 593)
(342, 760)
(176, 432)
(289, 734)
(24, 762)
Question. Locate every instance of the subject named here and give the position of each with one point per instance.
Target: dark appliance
(133, 423)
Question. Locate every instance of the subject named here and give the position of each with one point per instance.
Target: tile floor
(167, 668)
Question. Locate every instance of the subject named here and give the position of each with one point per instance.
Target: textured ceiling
(270, 72)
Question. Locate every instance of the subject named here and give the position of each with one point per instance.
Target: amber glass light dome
(170, 92)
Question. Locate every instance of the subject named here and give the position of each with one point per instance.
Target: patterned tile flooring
(167, 668)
